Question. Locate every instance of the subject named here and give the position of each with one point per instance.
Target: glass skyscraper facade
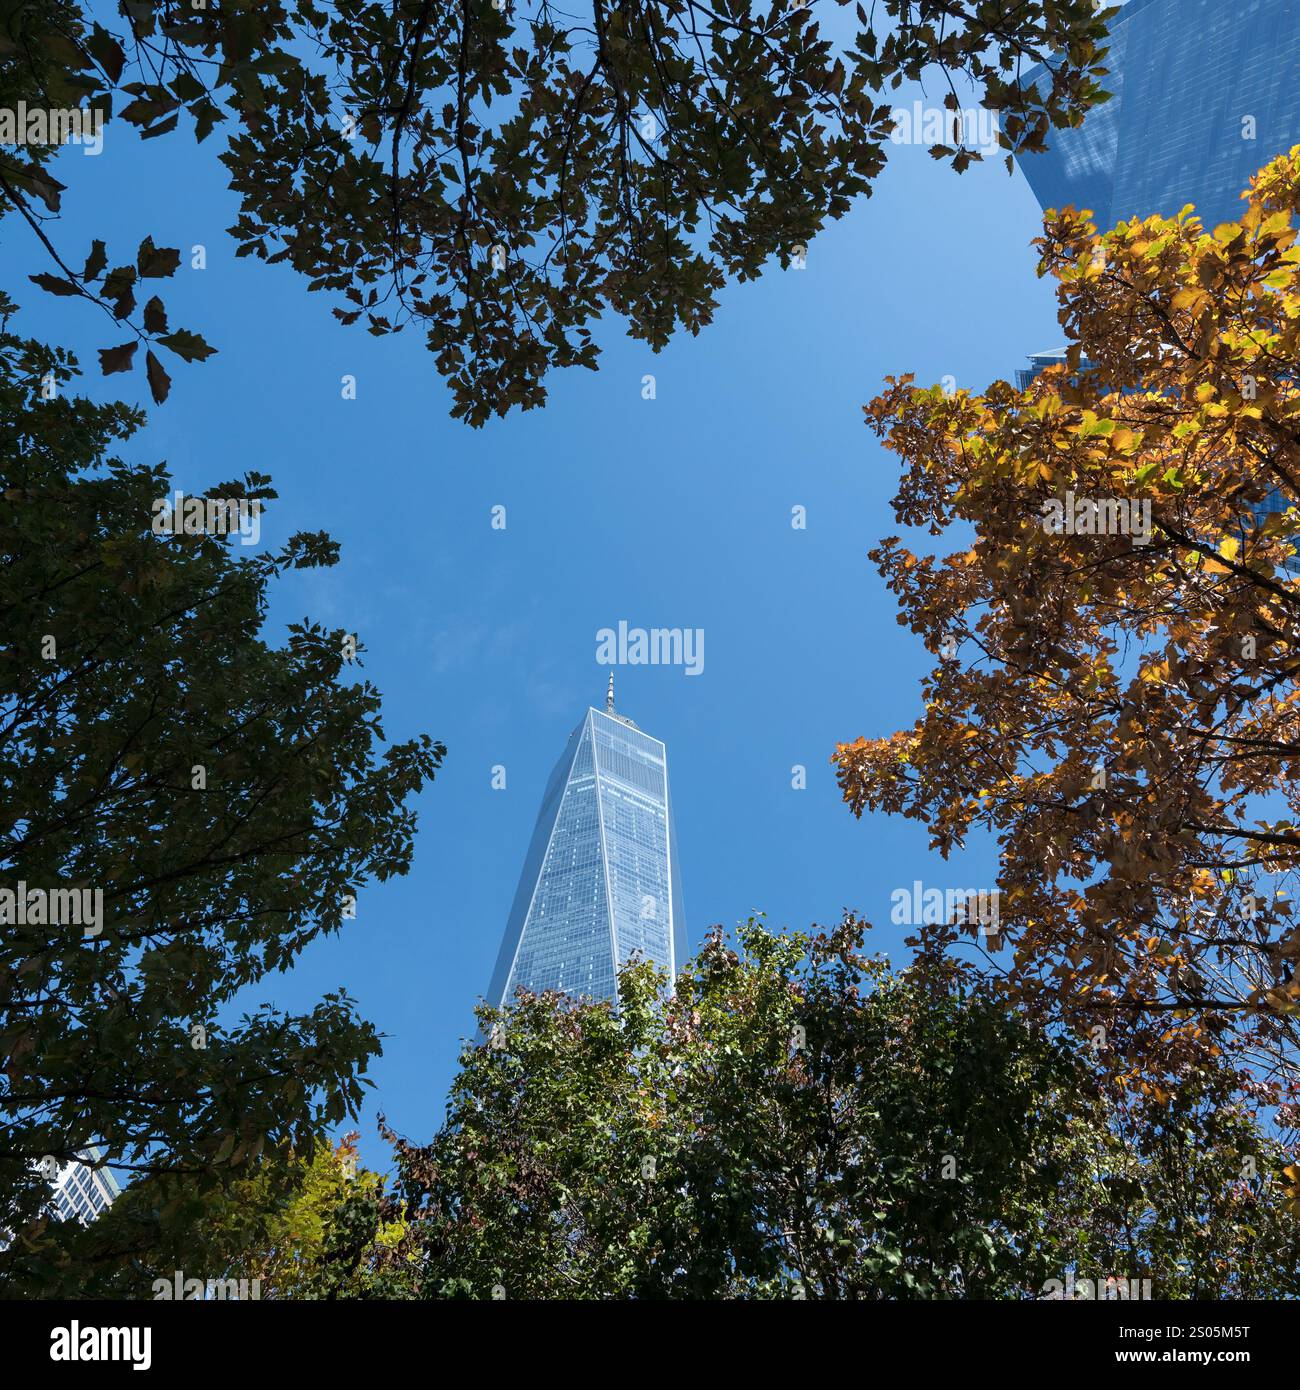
(1203, 94)
(600, 882)
(78, 1192)
(1039, 363)
(82, 1192)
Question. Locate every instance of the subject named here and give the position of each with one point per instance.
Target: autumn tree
(502, 174)
(208, 802)
(1117, 633)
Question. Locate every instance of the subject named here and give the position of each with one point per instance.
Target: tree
(1120, 707)
(183, 807)
(503, 174)
(275, 1228)
(800, 1121)
(1187, 1188)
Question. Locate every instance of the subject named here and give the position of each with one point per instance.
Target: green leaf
(107, 52)
(187, 345)
(164, 127)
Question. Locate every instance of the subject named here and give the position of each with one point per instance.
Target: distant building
(1039, 363)
(600, 882)
(1203, 94)
(82, 1192)
(78, 1193)
(1259, 512)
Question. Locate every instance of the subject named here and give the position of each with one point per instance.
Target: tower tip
(609, 697)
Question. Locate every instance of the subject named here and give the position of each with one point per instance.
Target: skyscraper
(1038, 363)
(82, 1192)
(1203, 94)
(600, 882)
(78, 1191)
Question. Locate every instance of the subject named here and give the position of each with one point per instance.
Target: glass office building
(1259, 512)
(1203, 93)
(1039, 363)
(600, 882)
(82, 1192)
(78, 1192)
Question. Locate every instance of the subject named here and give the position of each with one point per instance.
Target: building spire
(609, 698)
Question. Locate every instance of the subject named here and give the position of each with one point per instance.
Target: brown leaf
(55, 284)
(155, 316)
(156, 262)
(159, 382)
(116, 359)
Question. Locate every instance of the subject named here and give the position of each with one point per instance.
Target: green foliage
(224, 795)
(799, 1121)
(502, 175)
(285, 1224)
(1187, 1191)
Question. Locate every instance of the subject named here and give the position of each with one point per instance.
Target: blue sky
(673, 512)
